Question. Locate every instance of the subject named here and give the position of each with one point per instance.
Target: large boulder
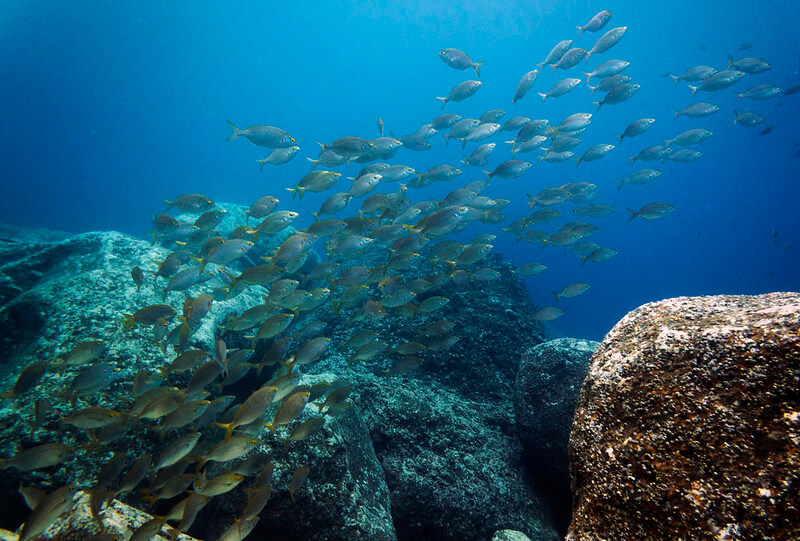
(688, 424)
(545, 396)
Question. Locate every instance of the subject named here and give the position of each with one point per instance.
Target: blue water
(111, 107)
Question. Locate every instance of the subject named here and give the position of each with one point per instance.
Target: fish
(445, 121)
(761, 92)
(695, 74)
(290, 409)
(608, 40)
(751, 65)
(349, 147)
(461, 92)
(190, 203)
(327, 159)
(570, 59)
(560, 88)
(765, 131)
(515, 123)
(461, 128)
(279, 156)
(29, 377)
(479, 156)
(596, 211)
(594, 153)
(306, 429)
(637, 127)
(459, 60)
(555, 54)
(653, 211)
(685, 155)
(643, 176)
(618, 95)
(298, 478)
(176, 450)
(38, 457)
(530, 269)
(607, 69)
(572, 290)
(525, 84)
(92, 417)
(509, 169)
(51, 507)
(481, 132)
(265, 136)
(315, 181)
(240, 528)
(547, 314)
(596, 23)
(718, 81)
(697, 110)
(610, 83)
(689, 137)
(653, 153)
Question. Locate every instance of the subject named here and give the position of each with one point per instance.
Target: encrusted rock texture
(688, 424)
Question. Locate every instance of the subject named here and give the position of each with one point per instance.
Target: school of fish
(204, 445)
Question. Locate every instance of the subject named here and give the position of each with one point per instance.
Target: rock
(688, 424)
(69, 291)
(344, 498)
(546, 393)
(117, 518)
(510, 535)
(453, 465)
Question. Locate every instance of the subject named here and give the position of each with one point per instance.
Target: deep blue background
(111, 107)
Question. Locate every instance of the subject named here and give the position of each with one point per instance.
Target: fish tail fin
(694, 89)
(261, 164)
(677, 113)
(739, 96)
(735, 116)
(465, 161)
(588, 77)
(128, 321)
(632, 159)
(443, 100)
(294, 192)
(558, 296)
(583, 260)
(477, 67)
(228, 430)
(322, 148)
(446, 138)
(592, 87)
(730, 61)
(577, 161)
(463, 143)
(598, 103)
(489, 174)
(621, 137)
(588, 55)
(169, 204)
(634, 214)
(314, 163)
(580, 29)
(544, 96)
(236, 131)
(675, 79)
(555, 68)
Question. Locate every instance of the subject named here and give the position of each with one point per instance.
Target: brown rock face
(688, 424)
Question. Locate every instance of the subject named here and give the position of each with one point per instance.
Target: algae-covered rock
(510, 535)
(688, 424)
(545, 396)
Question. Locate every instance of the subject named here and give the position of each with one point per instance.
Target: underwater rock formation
(689, 421)
(431, 452)
(510, 535)
(546, 393)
